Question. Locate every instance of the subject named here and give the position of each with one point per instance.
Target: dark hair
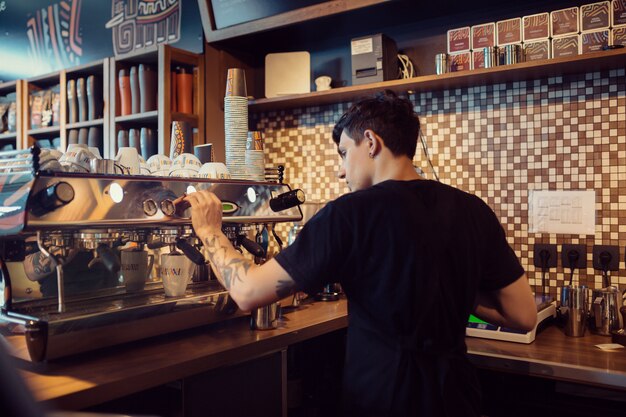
(389, 116)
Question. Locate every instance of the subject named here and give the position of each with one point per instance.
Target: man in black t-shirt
(415, 258)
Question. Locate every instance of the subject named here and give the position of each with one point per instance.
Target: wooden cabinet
(164, 61)
(12, 91)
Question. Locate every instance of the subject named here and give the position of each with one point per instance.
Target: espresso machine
(55, 215)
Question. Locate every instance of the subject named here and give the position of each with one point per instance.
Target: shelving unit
(13, 137)
(596, 61)
(163, 59)
(101, 69)
(57, 130)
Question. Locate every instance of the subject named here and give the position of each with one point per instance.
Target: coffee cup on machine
(136, 266)
(176, 271)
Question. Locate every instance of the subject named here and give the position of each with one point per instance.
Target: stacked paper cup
(236, 122)
(255, 157)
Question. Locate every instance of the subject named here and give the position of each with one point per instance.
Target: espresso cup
(136, 266)
(176, 271)
(159, 165)
(127, 158)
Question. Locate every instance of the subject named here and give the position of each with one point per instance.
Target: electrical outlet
(574, 254)
(611, 253)
(551, 251)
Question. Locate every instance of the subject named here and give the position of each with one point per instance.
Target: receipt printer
(374, 59)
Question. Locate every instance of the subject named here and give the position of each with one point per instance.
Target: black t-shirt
(411, 256)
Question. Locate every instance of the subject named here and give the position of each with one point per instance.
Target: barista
(413, 270)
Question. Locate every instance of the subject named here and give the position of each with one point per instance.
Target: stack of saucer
(255, 157)
(236, 122)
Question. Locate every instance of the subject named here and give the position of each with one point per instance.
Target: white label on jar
(362, 46)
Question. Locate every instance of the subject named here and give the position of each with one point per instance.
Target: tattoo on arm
(232, 265)
(284, 288)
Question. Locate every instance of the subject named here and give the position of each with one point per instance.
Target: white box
(565, 22)
(594, 41)
(287, 73)
(509, 31)
(535, 51)
(483, 36)
(536, 27)
(459, 40)
(595, 16)
(566, 46)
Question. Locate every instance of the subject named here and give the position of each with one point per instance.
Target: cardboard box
(509, 31)
(564, 22)
(594, 41)
(619, 36)
(483, 36)
(566, 46)
(618, 13)
(536, 27)
(461, 61)
(595, 16)
(459, 40)
(535, 51)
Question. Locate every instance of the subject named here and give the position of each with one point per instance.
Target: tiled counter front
(497, 141)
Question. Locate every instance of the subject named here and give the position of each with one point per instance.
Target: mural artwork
(54, 34)
(136, 24)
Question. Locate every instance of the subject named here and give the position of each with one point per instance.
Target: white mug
(136, 266)
(215, 170)
(159, 165)
(176, 271)
(127, 159)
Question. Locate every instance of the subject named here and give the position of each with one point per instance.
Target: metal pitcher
(575, 308)
(605, 305)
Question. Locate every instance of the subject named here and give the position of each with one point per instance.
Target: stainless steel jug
(605, 305)
(575, 309)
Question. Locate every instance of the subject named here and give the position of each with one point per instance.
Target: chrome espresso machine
(57, 215)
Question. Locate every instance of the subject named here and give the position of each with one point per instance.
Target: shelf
(8, 87)
(596, 61)
(44, 131)
(88, 123)
(149, 116)
(192, 119)
(8, 136)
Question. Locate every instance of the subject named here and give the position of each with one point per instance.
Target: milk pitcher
(605, 305)
(575, 308)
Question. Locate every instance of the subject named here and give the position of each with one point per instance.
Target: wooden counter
(81, 381)
(97, 377)
(556, 356)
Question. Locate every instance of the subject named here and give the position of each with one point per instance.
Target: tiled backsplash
(497, 141)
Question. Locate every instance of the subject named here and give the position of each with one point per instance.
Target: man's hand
(206, 212)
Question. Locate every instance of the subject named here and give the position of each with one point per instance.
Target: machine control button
(56, 195)
(287, 200)
(167, 207)
(150, 207)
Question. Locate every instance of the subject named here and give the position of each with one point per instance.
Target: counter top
(81, 381)
(92, 378)
(556, 356)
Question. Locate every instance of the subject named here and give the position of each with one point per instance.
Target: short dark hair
(389, 116)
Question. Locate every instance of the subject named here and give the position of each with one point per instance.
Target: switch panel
(574, 256)
(606, 257)
(549, 255)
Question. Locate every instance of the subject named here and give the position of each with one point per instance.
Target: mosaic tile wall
(498, 142)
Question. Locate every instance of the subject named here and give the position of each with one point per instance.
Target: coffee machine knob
(287, 200)
(150, 207)
(56, 195)
(167, 207)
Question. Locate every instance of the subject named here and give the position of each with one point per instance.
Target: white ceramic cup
(136, 266)
(323, 83)
(176, 271)
(127, 158)
(77, 158)
(159, 165)
(186, 161)
(216, 170)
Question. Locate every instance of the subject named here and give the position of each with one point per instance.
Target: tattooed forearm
(284, 288)
(232, 266)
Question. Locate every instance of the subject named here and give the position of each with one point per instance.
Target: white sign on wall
(564, 212)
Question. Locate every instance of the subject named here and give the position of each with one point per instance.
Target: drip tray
(95, 323)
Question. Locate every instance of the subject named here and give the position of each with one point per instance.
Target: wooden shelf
(192, 119)
(88, 123)
(596, 61)
(8, 136)
(44, 131)
(149, 116)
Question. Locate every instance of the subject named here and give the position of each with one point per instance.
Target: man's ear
(374, 142)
